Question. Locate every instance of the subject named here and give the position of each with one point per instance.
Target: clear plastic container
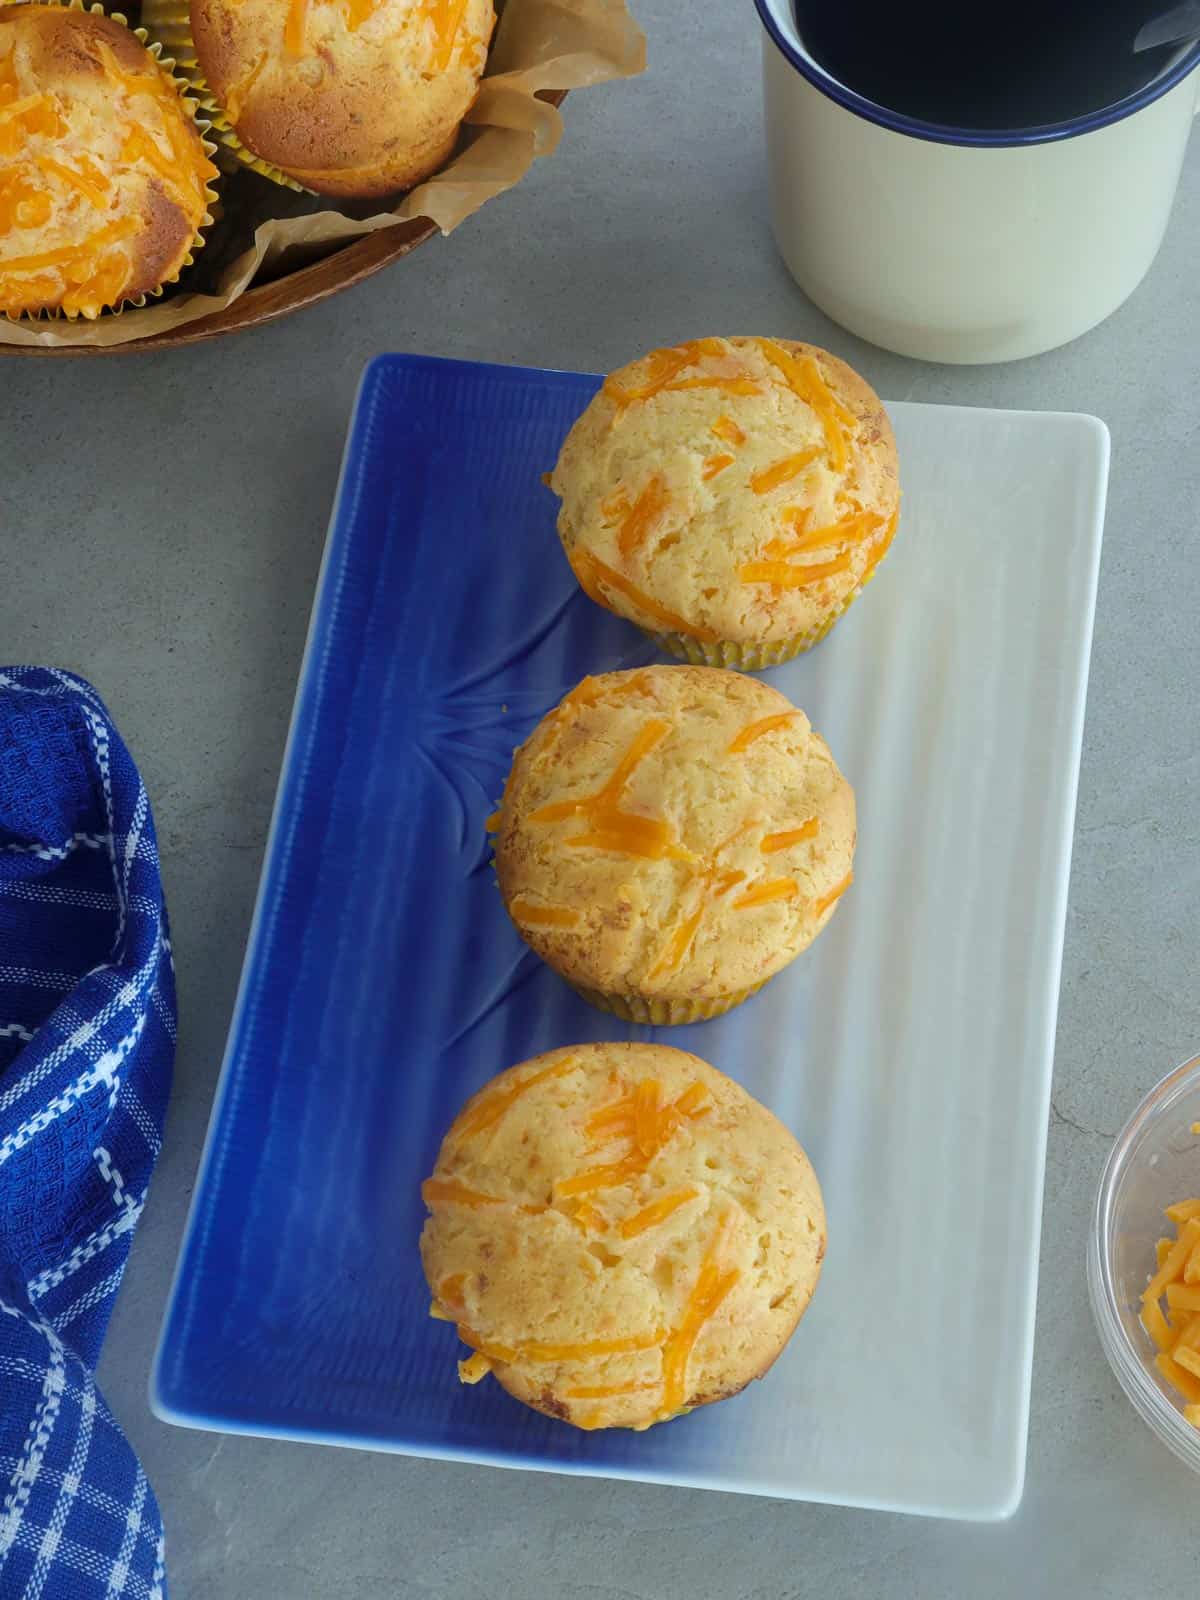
(1154, 1162)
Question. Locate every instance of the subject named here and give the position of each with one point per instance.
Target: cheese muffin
(621, 1233)
(104, 178)
(344, 97)
(670, 838)
(731, 496)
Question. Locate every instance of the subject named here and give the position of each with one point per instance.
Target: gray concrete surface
(161, 523)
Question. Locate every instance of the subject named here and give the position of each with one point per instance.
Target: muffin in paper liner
(386, 115)
(651, 1161)
(170, 22)
(670, 838)
(665, 1013)
(154, 50)
(731, 497)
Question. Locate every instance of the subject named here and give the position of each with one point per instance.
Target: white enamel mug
(961, 246)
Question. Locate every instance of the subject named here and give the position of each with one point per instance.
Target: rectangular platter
(910, 1049)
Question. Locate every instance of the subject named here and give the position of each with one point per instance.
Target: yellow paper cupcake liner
(170, 22)
(664, 1013)
(170, 66)
(755, 657)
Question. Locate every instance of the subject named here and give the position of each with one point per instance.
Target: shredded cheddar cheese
(662, 366)
(486, 1112)
(295, 28)
(358, 11)
(589, 1218)
(678, 945)
(1176, 1335)
(657, 1211)
(450, 1289)
(772, 842)
(1157, 1326)
(608, 1176)
(523, 911)
(630, 1117)
(643, 516)
(67, 254)
(712, 465)
(781, 472)
(1179, 1376)
(803, 377)
(502, 1354)
(446, 17)
(730, 385)
(95, 187)
(726, 428)
(713, 346)
(632, 836)
(1172, 1267)
(662, 369)
(711, 1289)
(618, 1115)
(714, 882)
(781, 575)
(882, 546)
(821, 906)
(594, 577)
(755, 730)
(442, 1191)
(615, 506)
(851, 530)
(538, 1351)
(694, 1101)
(764, 893)
(607, 826)
(645, 1116)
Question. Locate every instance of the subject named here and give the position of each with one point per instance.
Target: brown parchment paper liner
(539, 44)
(154, 49)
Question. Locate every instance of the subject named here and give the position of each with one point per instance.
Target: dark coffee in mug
(1009, 65)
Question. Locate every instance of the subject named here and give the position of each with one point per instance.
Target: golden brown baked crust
(350, 97)
(738, 490)
(673, 832)
(102, 172)
(622, 1233)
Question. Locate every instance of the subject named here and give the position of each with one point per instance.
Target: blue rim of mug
(996, 138)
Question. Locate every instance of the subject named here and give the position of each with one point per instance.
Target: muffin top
(730, 489)
(353, 97)
(102, 171)
(622, 1233)
(673, 831)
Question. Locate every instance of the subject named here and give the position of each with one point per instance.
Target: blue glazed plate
(910, 1049)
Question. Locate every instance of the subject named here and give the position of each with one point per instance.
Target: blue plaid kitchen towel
(87, 1031)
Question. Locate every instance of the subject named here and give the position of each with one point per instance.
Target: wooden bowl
(291, 292)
